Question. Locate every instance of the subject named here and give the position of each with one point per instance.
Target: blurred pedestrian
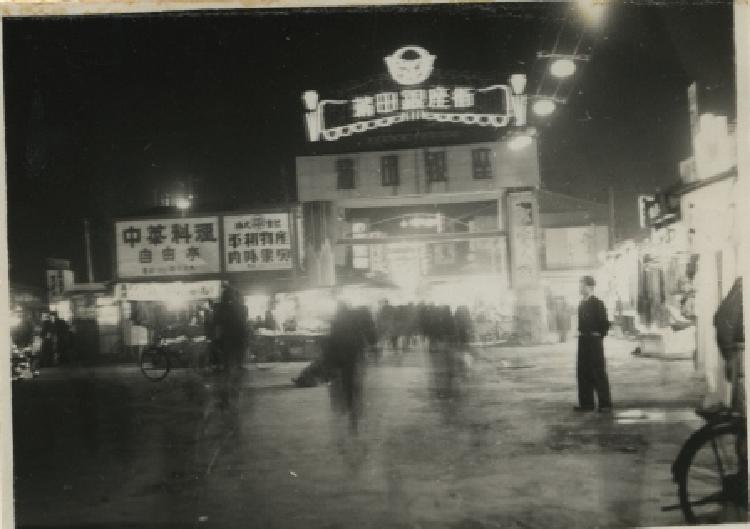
(351, 333)
(36, 347)
(464, 326)
(412, 325)
(23, 331)
(230, 324)
(63, 339)
(421, 321)
(730, 338)
(593, 326)
(402, 327)
(270, 321)
(386, 324)
(48, 340)
(464, 336)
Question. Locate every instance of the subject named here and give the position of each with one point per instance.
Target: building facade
(704, 208)
(429, 219)
(433, 184)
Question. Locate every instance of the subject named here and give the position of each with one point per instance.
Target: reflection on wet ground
(442, 440)
(660, 416)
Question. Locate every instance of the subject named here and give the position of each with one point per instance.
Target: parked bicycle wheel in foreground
(711, 473)
(155, 363)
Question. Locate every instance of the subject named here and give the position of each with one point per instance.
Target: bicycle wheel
(155, 364)
(711, 474)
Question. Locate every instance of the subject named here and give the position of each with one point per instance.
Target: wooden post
(87, 243)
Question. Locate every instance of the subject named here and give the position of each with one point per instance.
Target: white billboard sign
(58, 281)
(167, 247)
(257, 241)
(172, 291)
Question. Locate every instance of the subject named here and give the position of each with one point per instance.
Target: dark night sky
(100, 108)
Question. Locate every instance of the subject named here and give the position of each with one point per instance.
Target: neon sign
(410, 71)
(492, 106)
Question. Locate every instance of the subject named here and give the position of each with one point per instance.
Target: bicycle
(157, 361)
(711, 468)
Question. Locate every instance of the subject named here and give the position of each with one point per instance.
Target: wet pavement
(498, 445)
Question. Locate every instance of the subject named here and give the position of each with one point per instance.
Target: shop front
(694, 253)
(452, 253)
(171, 270)
(667, 293)
(619, 280)
(714, 235)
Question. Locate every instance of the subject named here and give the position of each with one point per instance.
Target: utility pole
(87, 245)
(611, 217)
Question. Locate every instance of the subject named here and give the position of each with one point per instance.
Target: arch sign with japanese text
(410, 67)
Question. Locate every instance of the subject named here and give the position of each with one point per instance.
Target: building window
(481, 165)
(435, 167)
(345, 173)
(389, 170)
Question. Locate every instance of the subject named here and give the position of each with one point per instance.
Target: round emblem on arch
(410, 65)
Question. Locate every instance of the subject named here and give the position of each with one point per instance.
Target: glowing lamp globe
(519, 142)
(544, 107)
(518, 83)
(310, 98)
(182, 203)
(562, 68)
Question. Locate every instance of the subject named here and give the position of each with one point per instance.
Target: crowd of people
(354, 333)
(404, 326)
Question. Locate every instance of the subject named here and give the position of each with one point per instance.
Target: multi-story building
(445, 204)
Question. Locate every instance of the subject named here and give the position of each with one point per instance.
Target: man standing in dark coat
(593, 326)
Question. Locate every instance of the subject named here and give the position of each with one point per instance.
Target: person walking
(351, 332)
(48, 344)
(230, 329)
(386, 322)
(730, 338)
(593, 326)
(63, 340)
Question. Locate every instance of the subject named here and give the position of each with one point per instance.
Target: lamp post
(314, 113)
(543, 107)
(592, 11)
(563, 65)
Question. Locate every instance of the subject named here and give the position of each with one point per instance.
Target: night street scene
(456, 266)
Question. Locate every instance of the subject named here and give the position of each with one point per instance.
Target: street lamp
(562, 68)
(544, 107)
(519, 142)
(518, 83)
(592, 10)
(182, 203)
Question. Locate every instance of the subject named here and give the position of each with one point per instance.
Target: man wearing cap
(593, 326)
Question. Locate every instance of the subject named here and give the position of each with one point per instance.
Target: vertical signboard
(167, 247)
(257, 241)
(523, 212)
(58, 281)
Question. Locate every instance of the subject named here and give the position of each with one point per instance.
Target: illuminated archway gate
(413, 98)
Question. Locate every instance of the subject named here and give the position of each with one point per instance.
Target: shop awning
(169, 291)
(427, 237)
